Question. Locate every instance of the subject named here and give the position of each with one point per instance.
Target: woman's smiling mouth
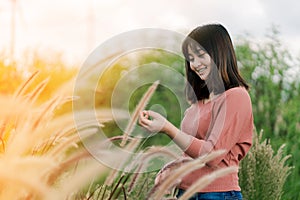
(202, 69)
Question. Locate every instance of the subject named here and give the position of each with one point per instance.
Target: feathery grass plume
(68, 137)
(44, 113)
(155, 150)
(142, 104)
(65, 143)
(143, 157)
(27, 163)
(206, 180)
(130, 147)
(30, 135)
(168, 169)
(63, 126)
(158, 191)
(142, 161)
(22, 89)
(56, 171)
(263, 172)
(32, 97)
(17, 183)
(61, 139)
(83, 176)
(135, 178)
(21, 128)
(115, 180)
(30, 129)
(27, 121)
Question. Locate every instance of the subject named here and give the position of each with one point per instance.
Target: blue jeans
(230, 195)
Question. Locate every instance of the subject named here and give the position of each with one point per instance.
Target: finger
(145, 114)
(142, 118)
(153, 114)
(146, 127)
(144, 121)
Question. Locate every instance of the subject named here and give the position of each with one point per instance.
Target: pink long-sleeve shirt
(223, 123)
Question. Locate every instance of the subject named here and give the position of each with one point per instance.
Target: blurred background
(76, 27)
(55, 38)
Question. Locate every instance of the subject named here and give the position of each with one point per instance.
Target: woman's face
(200, 62)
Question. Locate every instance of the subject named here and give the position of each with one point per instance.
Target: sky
(77, 27)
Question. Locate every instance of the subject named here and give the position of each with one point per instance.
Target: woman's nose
(197, 62)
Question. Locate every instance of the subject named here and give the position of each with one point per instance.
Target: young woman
(220, 115)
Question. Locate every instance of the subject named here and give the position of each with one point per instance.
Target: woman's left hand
(152, 121)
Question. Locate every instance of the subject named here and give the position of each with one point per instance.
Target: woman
(220, 115)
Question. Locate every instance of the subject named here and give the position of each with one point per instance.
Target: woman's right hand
(152, 121)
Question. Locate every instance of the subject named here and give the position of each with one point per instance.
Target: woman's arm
(233, 124)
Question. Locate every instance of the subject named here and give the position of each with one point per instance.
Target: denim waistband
(228, 195)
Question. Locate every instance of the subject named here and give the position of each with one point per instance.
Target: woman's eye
(191, 59)
(201, 55)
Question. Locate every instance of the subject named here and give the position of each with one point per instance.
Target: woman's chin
(203, 77)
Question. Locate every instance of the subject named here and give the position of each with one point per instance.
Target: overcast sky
(76, 27)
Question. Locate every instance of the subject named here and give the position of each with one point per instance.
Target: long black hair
(215, 40)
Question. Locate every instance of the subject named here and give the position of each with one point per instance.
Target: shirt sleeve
(232, 125)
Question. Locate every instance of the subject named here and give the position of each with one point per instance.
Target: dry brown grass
(182, 169)
(41, 156)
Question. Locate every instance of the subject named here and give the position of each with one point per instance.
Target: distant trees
(275, 92)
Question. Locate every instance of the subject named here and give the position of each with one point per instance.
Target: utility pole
(90, 26)
(13, 29)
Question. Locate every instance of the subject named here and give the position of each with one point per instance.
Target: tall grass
(263, 172)
(41, 156)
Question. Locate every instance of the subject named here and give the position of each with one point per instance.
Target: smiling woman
(220, 116)
(200, 61)
(210, 47)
